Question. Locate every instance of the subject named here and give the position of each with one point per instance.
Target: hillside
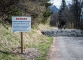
(36, 44)
(37, 10)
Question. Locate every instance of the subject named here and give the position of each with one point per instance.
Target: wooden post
(21, 43)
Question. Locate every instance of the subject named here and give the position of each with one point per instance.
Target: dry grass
(10, 41)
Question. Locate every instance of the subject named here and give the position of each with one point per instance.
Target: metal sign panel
(21, 24)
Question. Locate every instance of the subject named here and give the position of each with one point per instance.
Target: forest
(71, 14)
(39, 11)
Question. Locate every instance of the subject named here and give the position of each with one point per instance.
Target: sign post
(21, 42)
(21, 24)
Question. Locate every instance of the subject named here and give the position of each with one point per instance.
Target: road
(67, 44)
(66, 48)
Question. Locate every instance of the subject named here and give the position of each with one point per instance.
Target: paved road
(66, 48)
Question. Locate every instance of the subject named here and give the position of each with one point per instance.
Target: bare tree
(54, 19)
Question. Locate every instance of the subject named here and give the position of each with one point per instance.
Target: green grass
(9, 56)
(33, 39)
(44, 48)
(8, 40)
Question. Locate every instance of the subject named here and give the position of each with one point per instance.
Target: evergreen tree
(76, 9)
(81, 15)
(62, 8)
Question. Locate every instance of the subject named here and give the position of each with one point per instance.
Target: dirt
(54, 50)
(29, 53)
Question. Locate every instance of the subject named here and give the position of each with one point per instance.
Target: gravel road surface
(67, 44)
(66, 48)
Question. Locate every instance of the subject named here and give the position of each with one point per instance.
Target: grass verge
(44, 48)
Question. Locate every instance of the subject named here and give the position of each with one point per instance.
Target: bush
(46, 14)
(13, 12)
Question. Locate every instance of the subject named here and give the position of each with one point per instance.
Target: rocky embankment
(61, 32)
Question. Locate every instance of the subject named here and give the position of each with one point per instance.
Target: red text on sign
(21, 18)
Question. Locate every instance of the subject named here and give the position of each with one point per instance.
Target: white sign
(21, 24)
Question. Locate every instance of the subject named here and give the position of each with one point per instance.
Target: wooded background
(39, 11)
